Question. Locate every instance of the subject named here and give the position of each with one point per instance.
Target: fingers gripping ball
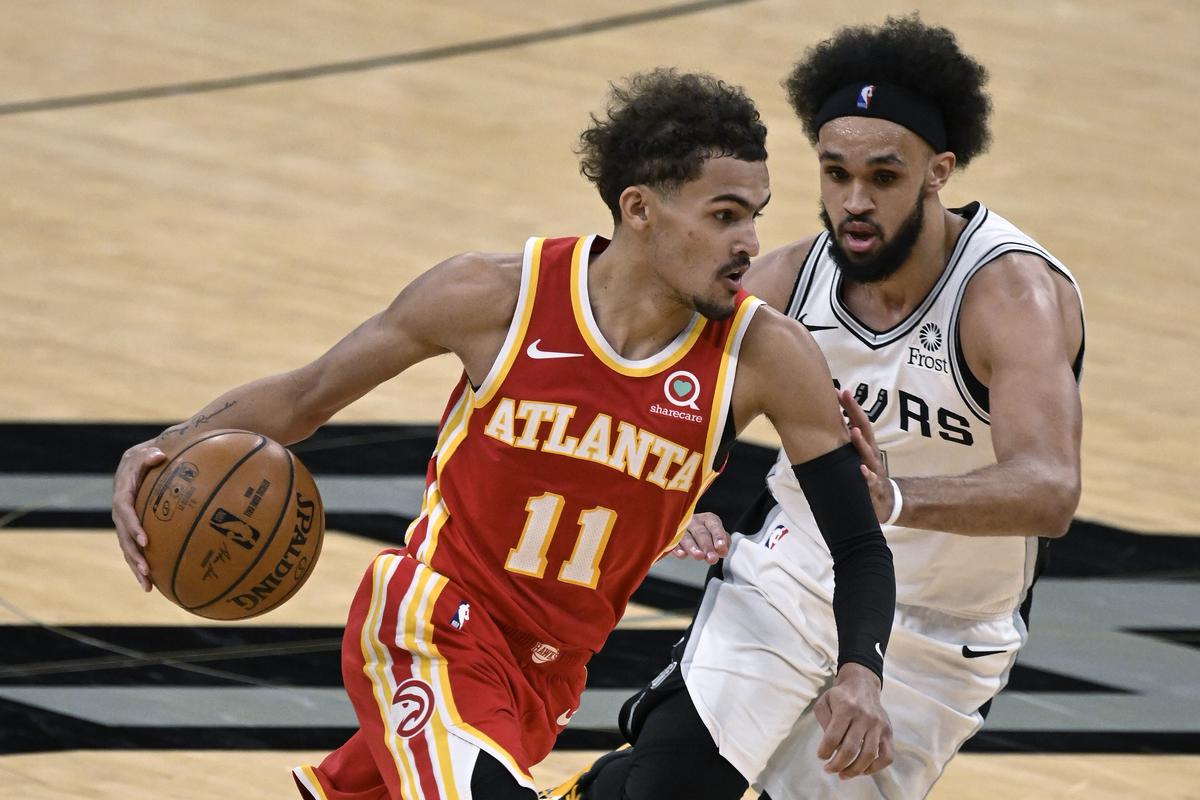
(233, 524)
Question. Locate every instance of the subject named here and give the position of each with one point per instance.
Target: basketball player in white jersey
(957, 342)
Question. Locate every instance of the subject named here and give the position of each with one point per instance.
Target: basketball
(233, 524)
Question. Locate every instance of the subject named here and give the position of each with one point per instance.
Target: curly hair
(659, 129)
(904, 51)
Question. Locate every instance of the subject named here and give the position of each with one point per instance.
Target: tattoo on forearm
(194, 422)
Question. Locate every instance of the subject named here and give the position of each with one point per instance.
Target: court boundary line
(365, 64)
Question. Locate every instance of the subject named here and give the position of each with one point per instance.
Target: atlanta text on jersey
(630, 452)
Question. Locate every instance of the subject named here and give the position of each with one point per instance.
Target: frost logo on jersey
(682, 388)
(543, 653)
(461, 616)
(412, 706)
(930, 337)
(865, 94)
(777, 534)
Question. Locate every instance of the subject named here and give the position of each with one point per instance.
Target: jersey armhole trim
(970, 388)
(530, 265)
(804, 278)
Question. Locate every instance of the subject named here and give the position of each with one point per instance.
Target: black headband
(885, 101)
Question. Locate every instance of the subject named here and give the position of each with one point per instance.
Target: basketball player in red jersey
(603, 381)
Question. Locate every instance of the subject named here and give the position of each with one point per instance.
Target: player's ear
(940, 168)
(633, 203)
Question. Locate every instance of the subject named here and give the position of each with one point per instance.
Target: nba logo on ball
(865, 94)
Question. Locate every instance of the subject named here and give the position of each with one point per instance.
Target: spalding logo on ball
(233, 523)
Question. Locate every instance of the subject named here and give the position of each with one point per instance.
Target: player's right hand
(135, 463)
(857, 737)
(704, 540)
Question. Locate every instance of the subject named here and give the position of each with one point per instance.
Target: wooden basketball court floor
(196, 194)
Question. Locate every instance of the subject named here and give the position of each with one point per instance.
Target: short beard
(891, 256)
(719, 312)
(713, 311)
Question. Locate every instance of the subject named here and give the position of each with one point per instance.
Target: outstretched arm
(463, 305)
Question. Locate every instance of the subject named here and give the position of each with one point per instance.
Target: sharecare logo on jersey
(675, 413)
(619, 445)
(682, 388)
(412, 707)
(865, 94)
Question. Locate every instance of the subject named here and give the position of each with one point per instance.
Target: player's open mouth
(734, 278)
(859, 237)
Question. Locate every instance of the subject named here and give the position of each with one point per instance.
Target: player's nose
(747, 243)
(858, 199)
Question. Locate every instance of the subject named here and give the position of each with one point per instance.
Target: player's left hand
(858, 733)
(704, 540)
(874, 470)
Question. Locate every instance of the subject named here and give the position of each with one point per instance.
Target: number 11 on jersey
(583, 567)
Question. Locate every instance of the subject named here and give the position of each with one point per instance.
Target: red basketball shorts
(433, 682)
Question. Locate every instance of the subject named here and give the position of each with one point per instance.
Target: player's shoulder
(469, 291)
(774, 339)
(476, 279)
(772, 276)
(1018, 277)
(482, 272)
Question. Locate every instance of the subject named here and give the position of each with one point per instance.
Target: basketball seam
(312, 561)
(263, 550)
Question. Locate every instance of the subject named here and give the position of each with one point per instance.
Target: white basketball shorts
(764, 646)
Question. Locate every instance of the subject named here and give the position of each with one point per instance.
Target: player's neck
(883, 304)
(637, 317)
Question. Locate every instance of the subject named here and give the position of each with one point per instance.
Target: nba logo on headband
(865, 95)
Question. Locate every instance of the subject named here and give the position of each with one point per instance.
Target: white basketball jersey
(930, 417)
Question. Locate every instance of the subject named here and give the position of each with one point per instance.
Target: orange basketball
(233, 524)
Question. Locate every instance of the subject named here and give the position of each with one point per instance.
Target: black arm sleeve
(864, 595)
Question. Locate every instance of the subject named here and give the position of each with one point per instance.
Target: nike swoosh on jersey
(533, 351)
(969, 653)
(565, 717)
(814, 328)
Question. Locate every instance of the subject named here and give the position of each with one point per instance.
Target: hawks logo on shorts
(412, 706)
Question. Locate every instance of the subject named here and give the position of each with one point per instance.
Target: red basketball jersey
(557, 483)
